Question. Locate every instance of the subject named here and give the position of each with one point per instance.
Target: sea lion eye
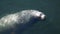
(40, 15)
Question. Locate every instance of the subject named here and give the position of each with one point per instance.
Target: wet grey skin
(20, 18)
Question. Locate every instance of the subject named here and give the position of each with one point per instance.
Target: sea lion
(20, 18)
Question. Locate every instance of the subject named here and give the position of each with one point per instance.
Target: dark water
(50, 7)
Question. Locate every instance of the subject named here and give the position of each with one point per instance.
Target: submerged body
(22, 17)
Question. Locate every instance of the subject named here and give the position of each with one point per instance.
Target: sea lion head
(39, 15)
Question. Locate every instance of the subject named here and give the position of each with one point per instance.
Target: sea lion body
(19, 18)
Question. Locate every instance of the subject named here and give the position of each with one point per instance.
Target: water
(50, 7)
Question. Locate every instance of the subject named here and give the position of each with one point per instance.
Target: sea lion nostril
(44, 18)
